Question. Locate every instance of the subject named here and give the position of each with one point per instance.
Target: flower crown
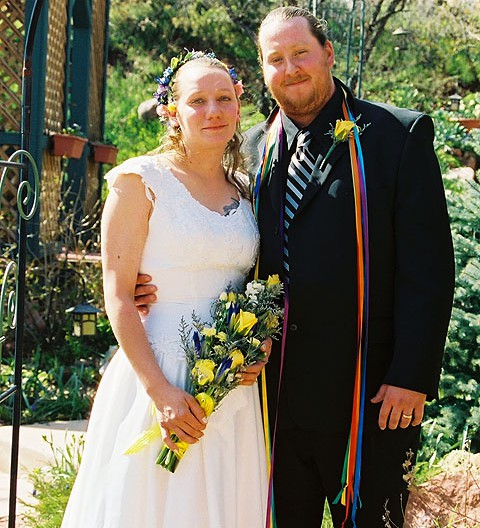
(164, 91)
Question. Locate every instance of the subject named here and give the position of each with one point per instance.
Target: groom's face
(296, 68)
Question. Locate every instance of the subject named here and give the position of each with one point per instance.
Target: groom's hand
(249, 375)
(400, 407)
(144, 293)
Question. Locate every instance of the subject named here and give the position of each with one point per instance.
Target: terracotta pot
(68, 145)
(469, 123)
(103, 153)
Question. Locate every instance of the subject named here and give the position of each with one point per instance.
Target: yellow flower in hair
(172, 108)
(203, 371)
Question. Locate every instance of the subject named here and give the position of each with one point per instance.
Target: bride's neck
(207, 165)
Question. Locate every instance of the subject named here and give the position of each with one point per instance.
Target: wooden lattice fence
(56, 106)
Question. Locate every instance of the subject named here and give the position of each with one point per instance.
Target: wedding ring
(408, 416)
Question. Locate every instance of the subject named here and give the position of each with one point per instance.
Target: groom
(308, 229)
(411, 279)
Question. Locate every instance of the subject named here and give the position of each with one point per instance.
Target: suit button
(293, 327)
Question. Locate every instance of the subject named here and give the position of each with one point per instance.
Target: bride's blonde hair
(172, 141)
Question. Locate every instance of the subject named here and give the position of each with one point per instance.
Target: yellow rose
(243, 322)
(343, 129)
(207, 403)
(237, 358)
(203, 371)
(272, 280)
(208, 332)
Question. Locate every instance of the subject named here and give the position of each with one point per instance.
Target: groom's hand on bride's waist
(144, 293)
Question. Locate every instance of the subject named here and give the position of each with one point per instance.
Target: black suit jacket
(411, 267)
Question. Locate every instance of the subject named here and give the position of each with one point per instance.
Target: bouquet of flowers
(216, 352)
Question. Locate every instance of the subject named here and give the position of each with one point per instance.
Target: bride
(183, 217)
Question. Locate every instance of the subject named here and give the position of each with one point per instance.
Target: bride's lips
(215, 127)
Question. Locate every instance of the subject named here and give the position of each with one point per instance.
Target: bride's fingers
(197, 412)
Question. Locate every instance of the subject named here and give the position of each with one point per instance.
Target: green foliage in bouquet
(217, 352)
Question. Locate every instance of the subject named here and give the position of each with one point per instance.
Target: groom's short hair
(318, 26)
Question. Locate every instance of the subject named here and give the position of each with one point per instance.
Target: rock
(148, 110)
(450, 499)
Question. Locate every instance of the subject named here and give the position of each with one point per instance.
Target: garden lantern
(402, 36)
(84, 319)
(455, 101)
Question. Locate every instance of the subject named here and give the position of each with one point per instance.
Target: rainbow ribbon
(350, 493)
(274, 137)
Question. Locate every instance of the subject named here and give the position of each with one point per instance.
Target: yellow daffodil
(203, 371)
(207, 403)
(208, 332)
(343, 129)
(222, 336)
(237, 358)
(243, 322)
(272, 280)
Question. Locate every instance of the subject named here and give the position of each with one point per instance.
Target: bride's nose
(213, 109)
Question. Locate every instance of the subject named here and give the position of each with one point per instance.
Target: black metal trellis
(27, 203)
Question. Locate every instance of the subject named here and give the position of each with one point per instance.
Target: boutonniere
(340, 133)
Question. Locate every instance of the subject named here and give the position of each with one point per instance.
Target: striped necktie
(298, 175)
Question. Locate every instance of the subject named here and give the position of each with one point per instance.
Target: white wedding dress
(193, 254)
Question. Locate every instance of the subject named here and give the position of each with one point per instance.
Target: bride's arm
(124, 231)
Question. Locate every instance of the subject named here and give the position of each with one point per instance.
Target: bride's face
(207, 106)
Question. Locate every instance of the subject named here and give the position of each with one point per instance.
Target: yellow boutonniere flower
(203, 371)
(243, 322)
(341, 132)
(272, 280)
(343, 129)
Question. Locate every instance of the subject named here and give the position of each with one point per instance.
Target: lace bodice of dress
(191, 252)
